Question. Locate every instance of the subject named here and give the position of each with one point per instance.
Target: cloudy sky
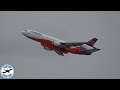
(31, 61)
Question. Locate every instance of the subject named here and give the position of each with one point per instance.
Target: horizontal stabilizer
(91, 50)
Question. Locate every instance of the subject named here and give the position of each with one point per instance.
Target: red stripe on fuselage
(49, 44)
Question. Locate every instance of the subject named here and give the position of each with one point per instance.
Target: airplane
(61, 47)
(7, 71)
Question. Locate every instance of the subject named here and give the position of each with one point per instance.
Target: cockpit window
(37, 33)
(25, 30)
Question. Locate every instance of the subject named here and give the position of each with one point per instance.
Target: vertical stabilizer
(92, 41)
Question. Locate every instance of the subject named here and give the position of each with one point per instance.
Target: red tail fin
(92, 41)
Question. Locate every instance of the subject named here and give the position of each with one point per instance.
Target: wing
(59, 53)
(72, 44)
(69, 44)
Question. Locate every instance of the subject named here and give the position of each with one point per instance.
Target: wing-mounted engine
(56, 43)
(48, 49)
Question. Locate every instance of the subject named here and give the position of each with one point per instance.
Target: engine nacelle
(56, 43)
(48, 49)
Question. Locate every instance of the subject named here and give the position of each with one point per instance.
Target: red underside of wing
(49, 44)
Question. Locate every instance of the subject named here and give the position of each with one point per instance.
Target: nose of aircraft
(23, 32)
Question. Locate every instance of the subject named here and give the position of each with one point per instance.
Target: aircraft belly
(50, 45)
(73, 50)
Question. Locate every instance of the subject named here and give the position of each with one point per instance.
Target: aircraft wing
(69, 44)
(59, 53)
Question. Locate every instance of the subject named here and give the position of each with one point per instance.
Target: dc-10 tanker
(62, 47)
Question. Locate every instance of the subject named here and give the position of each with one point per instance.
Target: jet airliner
(61, 47)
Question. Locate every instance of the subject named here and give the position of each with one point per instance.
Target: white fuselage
(86, 47)
(37, 35)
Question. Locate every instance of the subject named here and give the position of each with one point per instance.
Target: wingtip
(98, 49)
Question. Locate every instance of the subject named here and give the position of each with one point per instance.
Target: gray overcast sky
(31, 61)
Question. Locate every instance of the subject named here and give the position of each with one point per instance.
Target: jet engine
(56, 43)
(48, 49)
